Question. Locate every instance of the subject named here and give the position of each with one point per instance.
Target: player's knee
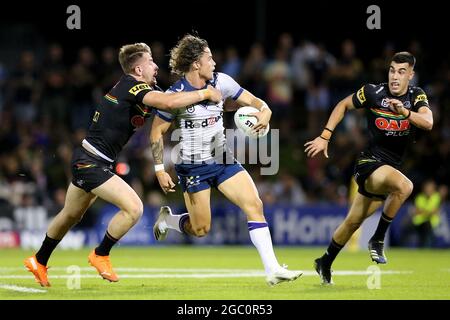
(201, 230)
(254, 206)
(404, 187)
(135, 210)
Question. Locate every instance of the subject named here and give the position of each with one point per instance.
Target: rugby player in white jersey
(205, 162)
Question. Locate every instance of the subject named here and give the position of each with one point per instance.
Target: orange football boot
(39, 271)
(103, 266)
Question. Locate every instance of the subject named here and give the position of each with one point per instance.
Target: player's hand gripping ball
(246, 122)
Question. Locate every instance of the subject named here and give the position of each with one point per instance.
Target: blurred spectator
(232, 63)
(426, 216)
(83, 81)
(278, 75)
(23, 89)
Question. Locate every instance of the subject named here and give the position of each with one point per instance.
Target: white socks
(260, 236)
(173, 221)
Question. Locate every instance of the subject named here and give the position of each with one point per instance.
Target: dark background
(240, 23)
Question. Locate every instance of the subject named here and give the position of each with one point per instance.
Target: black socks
(105, 246)
(331, 253)
(383, 225)
(47, 247)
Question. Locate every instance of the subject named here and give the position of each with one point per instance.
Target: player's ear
(411, 75)
(138, 70)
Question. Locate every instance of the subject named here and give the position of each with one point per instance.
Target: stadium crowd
(47, 101)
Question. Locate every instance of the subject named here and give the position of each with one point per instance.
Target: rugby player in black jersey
(393, 111)
(122, 111)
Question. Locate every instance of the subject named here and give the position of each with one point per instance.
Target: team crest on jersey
(385, 103)
(407, 104)
(360, 95)
(138, 88)
(190, 109)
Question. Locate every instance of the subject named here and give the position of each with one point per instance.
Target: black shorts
(364, 167)
(89, 171)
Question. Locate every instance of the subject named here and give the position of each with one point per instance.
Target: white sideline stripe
(20, 289)
(206, 275)
(9, 269)
(196, 270)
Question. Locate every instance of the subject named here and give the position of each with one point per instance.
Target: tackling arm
(170, 101)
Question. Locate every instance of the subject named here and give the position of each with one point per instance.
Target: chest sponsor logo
(191, 124)
(393, 127)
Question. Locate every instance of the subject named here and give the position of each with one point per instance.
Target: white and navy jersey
(201, 125)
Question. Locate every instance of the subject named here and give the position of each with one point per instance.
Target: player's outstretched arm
(264, 114)
(159, 127)
(422, 119)
(170, 101)
(320, 143)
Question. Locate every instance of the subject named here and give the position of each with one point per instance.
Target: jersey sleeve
(229, 87)
(420, 99)
(166, 116)
(139, 90)
(362, 96)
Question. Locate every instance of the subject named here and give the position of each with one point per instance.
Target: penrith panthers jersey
(200, 125)
(389, 132)
(120, 113)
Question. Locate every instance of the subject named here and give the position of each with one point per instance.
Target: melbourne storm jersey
(201, 125)
(120, 113)
(389, 132)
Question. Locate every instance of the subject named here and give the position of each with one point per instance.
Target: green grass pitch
(229, 273)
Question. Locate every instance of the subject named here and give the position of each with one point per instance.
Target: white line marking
(246, 274)
(20, 289)
(200, 270)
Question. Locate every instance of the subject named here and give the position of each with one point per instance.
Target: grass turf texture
(215, 273)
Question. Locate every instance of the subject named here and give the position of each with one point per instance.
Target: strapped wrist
(159, 167)
(204, 94)
(409, 114)
(327, 140)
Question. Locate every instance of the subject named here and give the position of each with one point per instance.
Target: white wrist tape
(159, 167)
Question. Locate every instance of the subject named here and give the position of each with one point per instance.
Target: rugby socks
(175, 222)
(181, 221)
(331, 253)
(383, 225)
(105, 246)
(47, 247)
(260, 236)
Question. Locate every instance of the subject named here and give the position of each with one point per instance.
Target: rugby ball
(246, 122)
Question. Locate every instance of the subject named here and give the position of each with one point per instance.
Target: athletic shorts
(364, 167)
(89, 171)
(197, 177)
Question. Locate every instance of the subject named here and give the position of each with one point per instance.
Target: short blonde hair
(130, 53)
